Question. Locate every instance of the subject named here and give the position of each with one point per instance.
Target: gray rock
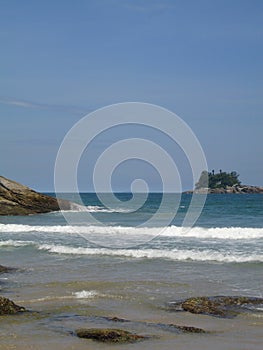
(237, 189)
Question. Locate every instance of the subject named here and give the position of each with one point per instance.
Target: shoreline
(57, 308)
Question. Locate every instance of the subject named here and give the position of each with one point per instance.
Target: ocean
(74, 274)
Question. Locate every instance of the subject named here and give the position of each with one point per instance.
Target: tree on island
(217, 180)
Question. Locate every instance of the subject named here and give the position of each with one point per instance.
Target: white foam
(235, 233)
(86, 294)
(13, 243)
(259, 308)
(75, 208)
(177, 255)
(221, 233)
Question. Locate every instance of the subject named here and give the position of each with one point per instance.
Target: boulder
(8, 307)
(17, 199)
(219, 306)
(108, 335)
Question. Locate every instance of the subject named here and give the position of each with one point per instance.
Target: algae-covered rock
(108, 335)
(188, 329)
(220, 306)
(204, 305)
(176, 328)
(8, 307)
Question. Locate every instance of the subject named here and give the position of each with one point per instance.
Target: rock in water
(204, 305)
(220, 306)
(108, 335)
(187, 329)
(17, 199)
(167, 327)
(8, 307)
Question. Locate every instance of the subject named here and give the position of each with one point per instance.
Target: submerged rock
(116, 319)
(17, 199)
(188, 329)
(167, 327)
(204, 305)
(220, 306)
(109, 335)
(8, 307)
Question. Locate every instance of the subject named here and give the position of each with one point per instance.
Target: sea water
(76, 274)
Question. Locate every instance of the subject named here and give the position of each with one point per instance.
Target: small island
(223, 182)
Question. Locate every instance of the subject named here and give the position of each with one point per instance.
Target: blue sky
(62, 59)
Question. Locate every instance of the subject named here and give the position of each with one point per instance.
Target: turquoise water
(230, 229)
(74, 274)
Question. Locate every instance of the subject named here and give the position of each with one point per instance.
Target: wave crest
(221, 233)
(176, 255)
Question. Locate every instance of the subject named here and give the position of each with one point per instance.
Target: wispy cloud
(44, 106)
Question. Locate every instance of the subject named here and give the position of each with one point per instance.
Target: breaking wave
(86, 294)
(221, 233)
(76, 208)
(226, 253)
(177, 255)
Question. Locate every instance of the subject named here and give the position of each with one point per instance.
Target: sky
(61, 60)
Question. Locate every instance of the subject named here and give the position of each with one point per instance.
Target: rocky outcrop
(8, 307)
(220, 306)
(17, 199)
(108, 335)
(236, 189)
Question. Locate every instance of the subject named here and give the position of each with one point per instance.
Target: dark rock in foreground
(109, 335)
(17, 199)
(220, 306)
(8, 307)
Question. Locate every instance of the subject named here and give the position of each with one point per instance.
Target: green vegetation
(217, 180)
